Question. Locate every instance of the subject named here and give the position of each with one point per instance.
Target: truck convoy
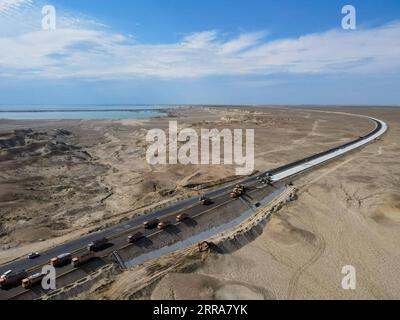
(11, 279)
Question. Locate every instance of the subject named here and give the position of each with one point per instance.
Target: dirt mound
(283, 232)
(178, 286)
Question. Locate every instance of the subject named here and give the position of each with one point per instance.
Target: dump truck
(205, 246)
(98, 244)
(181, 217)
(163, 225)
(238, 191)
(82, 259)
(10, 278)
(32, 280)
(135, 237)
(266, 180)
(205, 201)
(61, 260)
(151, 224)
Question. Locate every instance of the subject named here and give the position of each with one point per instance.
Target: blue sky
(199, 52)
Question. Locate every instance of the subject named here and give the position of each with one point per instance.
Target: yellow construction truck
(33, 280)
(11, 278)
(238, 191)
(61, 260)
(98, 245)
(82, 259)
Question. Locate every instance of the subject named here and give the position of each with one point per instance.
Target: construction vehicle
(82, 259)
(32, 280)
(11, 279)
(61, 260)
(205, 246)
(135, 237)
(151, 224)
(205, 201)
(238, 191)
(98, 245)
(163, 225)
(267, 179)
(182, 217)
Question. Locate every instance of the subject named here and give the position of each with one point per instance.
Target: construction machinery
(205, 201)
(11, 279)
(82, 259)
(151, 224)
(238, 191)
(267, 179)
(98, 245)
(61, 260)
(205, 246)
(32, 280)
(182, 217)
(135, 237)
(163, 225)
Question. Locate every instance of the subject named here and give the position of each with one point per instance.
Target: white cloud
(200, 40)
(82, 47)
(10, 6)
(243, 42)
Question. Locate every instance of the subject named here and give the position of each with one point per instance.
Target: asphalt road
(157, 239)
(78, 244)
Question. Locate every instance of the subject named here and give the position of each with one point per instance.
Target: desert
(64, 179)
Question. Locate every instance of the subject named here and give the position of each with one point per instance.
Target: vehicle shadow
(190, 223)
(144, 243)
(173, 230)
(247, 197)
(92, 265)
(105, 247)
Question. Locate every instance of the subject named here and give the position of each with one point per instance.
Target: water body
(113, 112)
(203, 235)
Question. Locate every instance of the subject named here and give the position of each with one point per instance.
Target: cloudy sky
(190, 51)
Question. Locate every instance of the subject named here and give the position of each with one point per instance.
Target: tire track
(321, 247)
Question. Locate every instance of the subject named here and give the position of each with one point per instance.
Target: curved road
(220, 197)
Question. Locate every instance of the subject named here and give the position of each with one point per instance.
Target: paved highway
(118, 233)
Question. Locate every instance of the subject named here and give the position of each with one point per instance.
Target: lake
(80, 112)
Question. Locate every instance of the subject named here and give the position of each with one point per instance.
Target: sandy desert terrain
(347, 213)
(68, 178)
